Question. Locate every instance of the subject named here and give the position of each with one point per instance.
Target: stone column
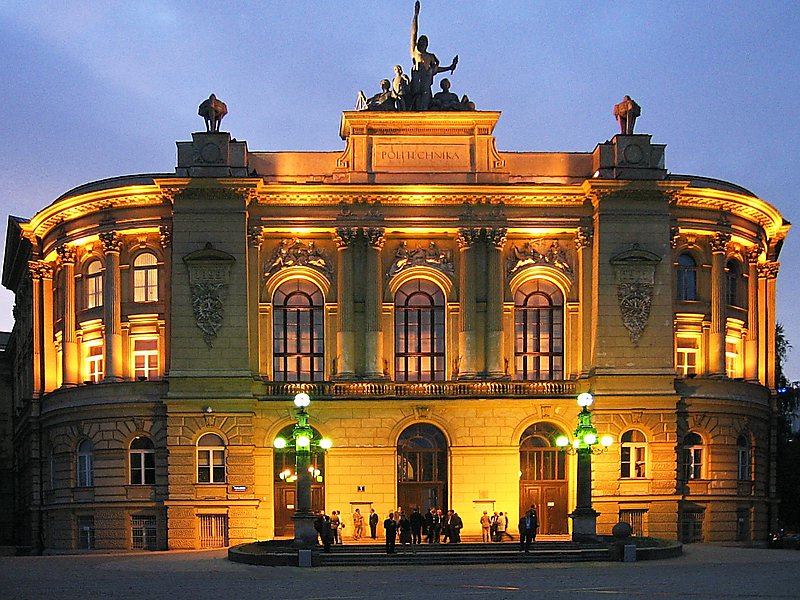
(35, 269)
(112, 307)
(716, 346)
(373, 298)
(494, 350)
(583, 247)
(49, 366)
(768, 273)
(345, 327)
(751, 346)
(70, 364)
(467, 238)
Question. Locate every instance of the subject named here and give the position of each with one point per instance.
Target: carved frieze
(634, 271)
(538, 252)
(209, 274)
(432, 256)
(297, 253)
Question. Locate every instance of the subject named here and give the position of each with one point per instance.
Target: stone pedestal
(584, 525)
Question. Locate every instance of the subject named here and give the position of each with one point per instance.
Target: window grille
(143, 533)
(213, 531)
(692, 526)
(634, 518)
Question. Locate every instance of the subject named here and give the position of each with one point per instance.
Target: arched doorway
(422, 468)
(285, 487)
(543, 477)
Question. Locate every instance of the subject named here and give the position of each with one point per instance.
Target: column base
(305, 536)
(584, 525)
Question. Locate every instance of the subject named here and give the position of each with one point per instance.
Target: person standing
(323, 526)
(390, 529)
(430, 516)
(358, 524)
(455, 528)
(486, 524)
(417, 521)
(493, 526)
(528, 524)
(404, 525)
(373, 524)
(335, 522)
(501, 526)
(438, 524)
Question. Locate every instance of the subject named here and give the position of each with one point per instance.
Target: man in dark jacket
(323, 526)
(373, 524)
(528, 524)
(390, 528)
(455, 528)
(417, 522)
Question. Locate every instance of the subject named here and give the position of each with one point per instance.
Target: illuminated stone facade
(442, 302)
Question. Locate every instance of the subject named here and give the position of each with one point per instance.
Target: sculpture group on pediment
(538, 252)
(431, 256)
(415, 93)
(296, 253)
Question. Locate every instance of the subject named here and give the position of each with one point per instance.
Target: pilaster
(373, 301)
(112, 306)
(345, 326)
(70, 364)
(583, 247)
(716, 346)
(35, 269)
(496, 238)
(751, 346)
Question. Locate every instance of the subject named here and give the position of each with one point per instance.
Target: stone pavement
(704, 572)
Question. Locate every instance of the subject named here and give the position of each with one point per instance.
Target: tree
(788, 450)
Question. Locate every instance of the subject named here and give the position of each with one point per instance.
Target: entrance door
(543, 482)
(285, 497)
(422, 468)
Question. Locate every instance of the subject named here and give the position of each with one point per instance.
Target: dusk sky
(100, 89)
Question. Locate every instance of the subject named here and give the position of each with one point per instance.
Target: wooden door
(285, 498)
(550, 500)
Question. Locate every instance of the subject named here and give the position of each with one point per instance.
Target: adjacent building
(442, 302)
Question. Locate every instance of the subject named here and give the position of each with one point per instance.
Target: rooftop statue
(426, 66)
(626, 113)
(384, 100)
(212, 111)
(447, 100)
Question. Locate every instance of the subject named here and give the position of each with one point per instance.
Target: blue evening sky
(100, 89)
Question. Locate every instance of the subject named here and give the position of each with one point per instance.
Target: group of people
(437, 527)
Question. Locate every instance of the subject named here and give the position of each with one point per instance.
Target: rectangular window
(634, 518)
(686, 352)
(213, 531)
(691, 526)
(211, 466)
(145, 284)
(94, 362)
(145, 358)
(732, 362)
(143, 467)
(693, 463)
(143, 533)
(632, 462)
(85, 533)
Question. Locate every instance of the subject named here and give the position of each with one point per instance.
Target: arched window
(687, 277)
(633, 455)
(538, 331)
(94, 284)
(419, 332)
(143, 461)
(85, 464)
(692, 459)
(210, 459)
(733, 273)
(422, 467)
(297, 332)
(145, 278)
(743, 459)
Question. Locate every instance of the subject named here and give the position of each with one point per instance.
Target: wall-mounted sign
(362, 488)
(239, 488)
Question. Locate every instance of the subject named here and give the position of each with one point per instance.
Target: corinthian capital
(496, 236)
(719, 242)
(345, 236)
(40, 269)
(111, 241)
(468, 236)
(583, 237)
(375, 237)
(66, 254)
(769, 270)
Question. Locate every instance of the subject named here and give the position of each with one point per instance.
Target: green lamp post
(584, 445)
(303, 440)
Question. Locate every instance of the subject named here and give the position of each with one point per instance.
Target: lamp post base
(305, 536)
(584, 525)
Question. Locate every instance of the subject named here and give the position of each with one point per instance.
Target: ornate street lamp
(584, 444)
(303, 440)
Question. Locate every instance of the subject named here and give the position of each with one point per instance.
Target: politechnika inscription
(414, 156)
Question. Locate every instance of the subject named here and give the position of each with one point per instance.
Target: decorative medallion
(297, 253)
(635, 271)
(209, 273)
(538, 252)
(432, 256)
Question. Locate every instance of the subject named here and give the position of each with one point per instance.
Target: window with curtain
(145, 278)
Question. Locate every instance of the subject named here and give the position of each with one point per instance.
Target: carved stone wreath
(209, 273)
(634, 271)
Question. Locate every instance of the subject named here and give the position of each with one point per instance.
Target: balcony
(427, 390)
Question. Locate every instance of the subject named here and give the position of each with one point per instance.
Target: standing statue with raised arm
(426, 66)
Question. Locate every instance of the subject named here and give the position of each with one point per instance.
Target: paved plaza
(704, 572)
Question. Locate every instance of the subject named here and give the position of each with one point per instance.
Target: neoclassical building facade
(442, 302)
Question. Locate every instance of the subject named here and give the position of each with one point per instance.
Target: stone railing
(429, 389)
